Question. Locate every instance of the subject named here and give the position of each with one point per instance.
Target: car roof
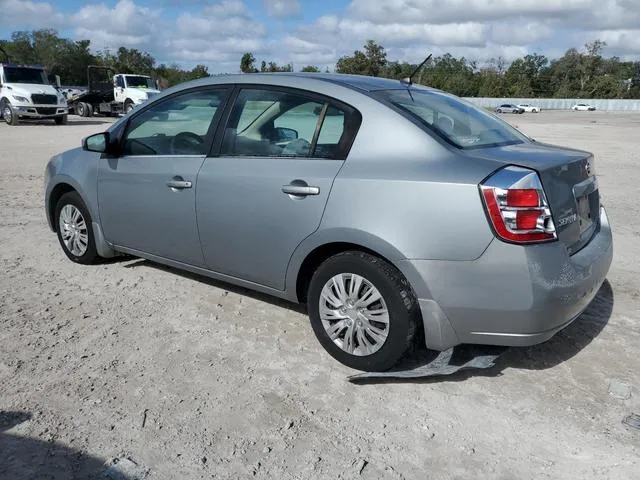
(355, 82)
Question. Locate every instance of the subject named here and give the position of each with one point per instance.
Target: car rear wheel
(74, 229)
(363, 311)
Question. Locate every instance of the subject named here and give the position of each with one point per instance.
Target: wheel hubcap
(354, 314)
(73, 230)
(6, 113)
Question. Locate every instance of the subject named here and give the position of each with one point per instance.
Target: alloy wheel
(354, 314)
(73, 230)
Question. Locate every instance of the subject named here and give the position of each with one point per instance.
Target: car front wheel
(74, 229)
(363, 311)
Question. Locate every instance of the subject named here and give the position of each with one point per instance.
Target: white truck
(25, 93)
(111, 95)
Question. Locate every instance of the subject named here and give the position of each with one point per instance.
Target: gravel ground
(181, 377)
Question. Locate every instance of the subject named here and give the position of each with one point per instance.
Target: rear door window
(288, 123)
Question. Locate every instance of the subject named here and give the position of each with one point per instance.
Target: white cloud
(282, 8)
(30, 14)
(610, 12)
(126, 24)
(625, 42)
(475, 29)
(218, 32)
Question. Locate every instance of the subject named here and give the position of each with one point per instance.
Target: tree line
(583, 73)
(69, 59)
(577, 74)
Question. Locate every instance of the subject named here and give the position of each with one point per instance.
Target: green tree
(376, 58)
(247, 63)
(199, 71)
(310, 68)
(518, 80)
(129, 61)
(355, 64)
(370, 62)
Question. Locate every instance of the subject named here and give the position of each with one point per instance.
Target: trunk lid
(569, 181)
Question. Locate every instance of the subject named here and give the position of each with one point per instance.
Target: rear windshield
(457, 121)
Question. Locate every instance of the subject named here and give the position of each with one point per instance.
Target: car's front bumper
(40, 111)
(512, 295)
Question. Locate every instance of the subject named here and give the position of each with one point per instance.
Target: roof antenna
(409, 80)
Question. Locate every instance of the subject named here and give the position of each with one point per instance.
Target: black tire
(90, 256)
(9, 114)
(61, 120)
(128, 106)
(402, 305)
(79, 109)
(499, 110)
(89, 110)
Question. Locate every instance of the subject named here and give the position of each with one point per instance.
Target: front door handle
(301, 190)
(179, 184)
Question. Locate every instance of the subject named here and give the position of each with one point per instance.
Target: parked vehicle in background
(25, 93)
(111, 94)
(527, 107)
(583, 107)
(509, 108)
(406, 210)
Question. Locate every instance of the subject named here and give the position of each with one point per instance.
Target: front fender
(79, 169)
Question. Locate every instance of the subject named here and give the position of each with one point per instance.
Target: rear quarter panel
(409, 190)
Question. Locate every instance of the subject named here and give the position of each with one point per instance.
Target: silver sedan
(396, 213)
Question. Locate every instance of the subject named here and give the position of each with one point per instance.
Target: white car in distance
(583, 107)
(527, 107)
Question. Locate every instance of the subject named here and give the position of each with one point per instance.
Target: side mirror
(99, 143)
(283, 134)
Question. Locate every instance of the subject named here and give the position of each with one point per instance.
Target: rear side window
(459, 122)
(288, 123)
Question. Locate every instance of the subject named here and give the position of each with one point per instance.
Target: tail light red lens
(517, 206)
(521, 197)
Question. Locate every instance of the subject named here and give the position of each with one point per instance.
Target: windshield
(139, 82)
(457, 121)
(25, 75)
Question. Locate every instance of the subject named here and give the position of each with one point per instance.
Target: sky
(317, 32)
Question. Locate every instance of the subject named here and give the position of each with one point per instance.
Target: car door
(266, 189)
(118, 88)
(147, 194)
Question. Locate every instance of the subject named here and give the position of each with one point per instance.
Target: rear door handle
(180, 184)
(300, 190)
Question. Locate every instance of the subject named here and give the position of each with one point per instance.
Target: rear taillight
(517, 206)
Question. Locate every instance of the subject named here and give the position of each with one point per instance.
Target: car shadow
(138, 262)
(491, 361)
(464, 361)
(28, 458)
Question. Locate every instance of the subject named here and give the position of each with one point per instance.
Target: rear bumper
(512, 295)
(43, 111)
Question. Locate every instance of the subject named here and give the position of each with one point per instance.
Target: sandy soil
(191, 379)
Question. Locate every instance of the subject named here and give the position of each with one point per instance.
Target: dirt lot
(194, 379)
